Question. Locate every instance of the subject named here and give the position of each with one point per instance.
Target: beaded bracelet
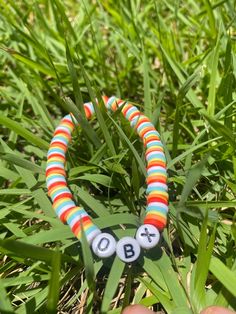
(103, 244)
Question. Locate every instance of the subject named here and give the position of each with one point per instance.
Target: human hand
(139, 309)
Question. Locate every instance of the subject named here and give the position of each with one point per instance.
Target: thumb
(137, 309)
(216, 310)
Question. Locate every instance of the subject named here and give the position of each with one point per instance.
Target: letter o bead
(147, 236)
(104, 245)
(128, 249)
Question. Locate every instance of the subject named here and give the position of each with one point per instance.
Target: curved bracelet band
(104, 244)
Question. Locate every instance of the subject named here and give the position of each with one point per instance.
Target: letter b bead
(128, 249)
(104, 245)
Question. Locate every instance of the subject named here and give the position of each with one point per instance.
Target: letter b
(128, 249)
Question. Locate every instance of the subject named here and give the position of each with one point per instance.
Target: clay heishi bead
(92, 235)
(128, 249)
(104, 245)
(147, 236)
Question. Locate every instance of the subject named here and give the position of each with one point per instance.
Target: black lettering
(129, 250)
(103, 244)
(148, 235)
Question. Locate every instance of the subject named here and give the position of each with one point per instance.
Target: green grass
(176, 61)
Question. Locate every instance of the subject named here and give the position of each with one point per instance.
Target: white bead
(147, 236)
(128, 249)
(104, 245)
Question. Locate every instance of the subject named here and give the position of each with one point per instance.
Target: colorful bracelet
(104, 244)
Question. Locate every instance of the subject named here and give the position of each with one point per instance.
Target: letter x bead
(128, 249)
(104, 245)
(147, 236)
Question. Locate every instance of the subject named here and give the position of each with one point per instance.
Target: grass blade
(75, 84)
(192, 178)
(131, 147)
(112, 284)
(21, 162)
(20, 130)
(69, 105)
(202, 266)
(33, 64)
(5, 304)
(212, 86)
(54, 283)
(222, 130)
(226, 276)
(98, 111)
(161, 297)
(21, 249)
(146, 87)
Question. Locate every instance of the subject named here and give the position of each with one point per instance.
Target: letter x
(148, 235)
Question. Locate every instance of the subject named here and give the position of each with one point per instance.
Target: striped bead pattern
(157, 192)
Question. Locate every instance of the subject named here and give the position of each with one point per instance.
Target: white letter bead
(104, 245)
(147, 236)
(128, 249)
